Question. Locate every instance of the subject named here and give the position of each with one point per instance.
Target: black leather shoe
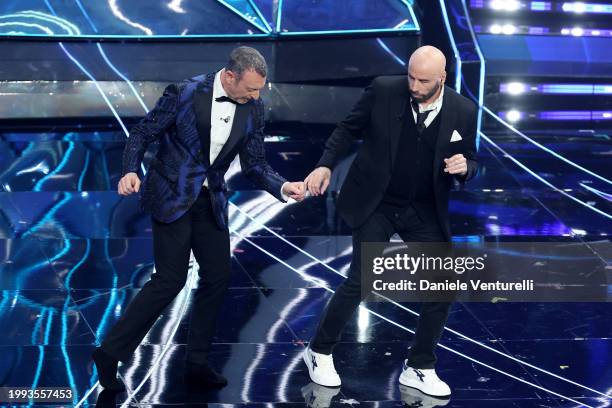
(203, 375)
(107, 370)
(107, 399)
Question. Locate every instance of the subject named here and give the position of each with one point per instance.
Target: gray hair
(245, 59)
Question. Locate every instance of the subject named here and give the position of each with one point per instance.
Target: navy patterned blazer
(181, 123)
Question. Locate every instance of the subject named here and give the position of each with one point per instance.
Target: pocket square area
(456, 136)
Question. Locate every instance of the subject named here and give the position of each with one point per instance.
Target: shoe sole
(117, 387)
(305, 359)
(415, 386)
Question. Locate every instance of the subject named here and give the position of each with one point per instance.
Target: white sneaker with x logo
(424, 380)
(321, 368)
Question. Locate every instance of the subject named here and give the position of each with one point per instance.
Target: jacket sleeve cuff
(326, 161)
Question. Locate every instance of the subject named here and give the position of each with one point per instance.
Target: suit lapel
(447, 120)
(202, 104)
(397, 120)
(237, 132)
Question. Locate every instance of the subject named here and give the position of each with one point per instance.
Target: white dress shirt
(434, 107)
(221, 121)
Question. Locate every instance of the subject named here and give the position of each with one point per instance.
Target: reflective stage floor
(74, 253)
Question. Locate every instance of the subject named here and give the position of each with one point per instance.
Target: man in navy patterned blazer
(201, 125)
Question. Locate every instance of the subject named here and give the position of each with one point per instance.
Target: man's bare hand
(130, 183)
(457, 164)
(294, 190)
(318, 180)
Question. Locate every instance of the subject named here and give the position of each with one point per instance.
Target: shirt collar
(218, 90)
(435, 105)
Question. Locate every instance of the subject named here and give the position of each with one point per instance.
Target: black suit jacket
(377, 119)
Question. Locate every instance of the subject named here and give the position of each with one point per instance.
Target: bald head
(426, 73)
(428, 59)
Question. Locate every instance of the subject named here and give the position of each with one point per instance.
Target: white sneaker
(412, 397)
(321, 368)
(424, 380)
(318, 396)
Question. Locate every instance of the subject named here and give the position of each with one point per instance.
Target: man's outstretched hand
(294, 190)
(318, 181)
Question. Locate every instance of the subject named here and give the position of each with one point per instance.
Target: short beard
(431, 93)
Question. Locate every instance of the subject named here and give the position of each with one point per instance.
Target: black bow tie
(226, 99)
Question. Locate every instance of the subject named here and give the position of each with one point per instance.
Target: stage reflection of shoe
(107, 371)
(204, 376)
(318, 396)
(414, 398)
